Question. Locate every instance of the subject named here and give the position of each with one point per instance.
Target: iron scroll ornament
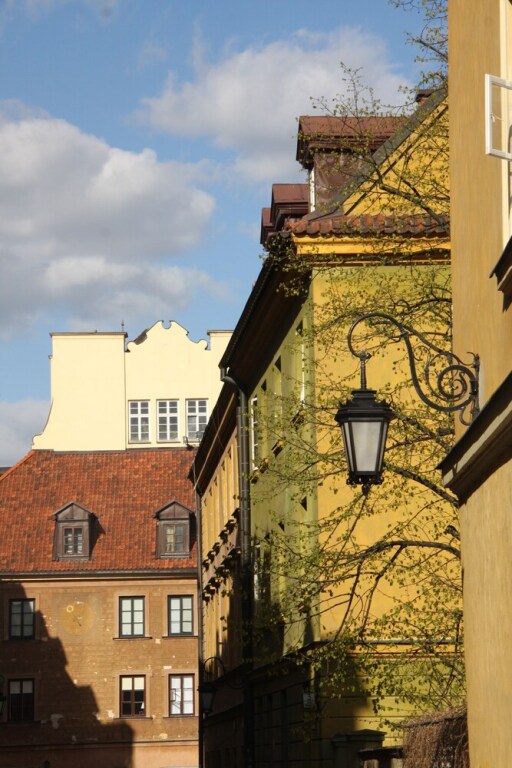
(456, 384)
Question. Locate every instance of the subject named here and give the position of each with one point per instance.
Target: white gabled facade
(106, 394)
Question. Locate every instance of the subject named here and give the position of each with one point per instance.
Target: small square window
(20, 701)
(131, 617)
(181, 695)
(181, 620)
(175, 538)
(173, 531)
(139, 421)
(133, 696)
(73, 532)
(21, 619)
(73, 541)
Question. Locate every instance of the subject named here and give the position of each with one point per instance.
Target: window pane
(131, 616)
(181, 695)
(197, 417)
(167, 419)
(21, 618)
(180, 615)
(20, 700)
(132, 696)
(139, 420)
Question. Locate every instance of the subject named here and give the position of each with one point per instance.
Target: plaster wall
(87, 393)
(486, 535)
(480, 189)
(94, 377)
(76, 660)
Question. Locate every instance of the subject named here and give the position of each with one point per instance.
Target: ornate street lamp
(364, 421)
(364, 425)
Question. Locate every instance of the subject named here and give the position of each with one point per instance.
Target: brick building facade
(98, 610)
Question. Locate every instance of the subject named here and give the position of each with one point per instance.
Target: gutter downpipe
(242, 423)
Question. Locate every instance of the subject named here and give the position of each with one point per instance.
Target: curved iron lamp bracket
(456, 384)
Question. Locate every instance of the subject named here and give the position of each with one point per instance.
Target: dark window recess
(21, 619)
(20, 701)
(133, 696)
(174, 533)
(74, 529)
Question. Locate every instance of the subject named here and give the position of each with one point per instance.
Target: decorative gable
(174, 530)
(73, 533)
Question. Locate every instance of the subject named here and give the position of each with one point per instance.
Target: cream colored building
(155, 391)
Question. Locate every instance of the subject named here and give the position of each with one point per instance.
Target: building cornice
(484, 447)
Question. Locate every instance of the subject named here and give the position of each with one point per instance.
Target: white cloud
(248, 101)
(87, 230)
(19, 422)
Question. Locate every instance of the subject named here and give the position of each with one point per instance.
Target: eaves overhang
(124, 575)
(276, 297)
(483, 448)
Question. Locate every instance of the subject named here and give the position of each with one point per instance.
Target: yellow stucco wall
(479, 227)
(94, 379)
(479, 39)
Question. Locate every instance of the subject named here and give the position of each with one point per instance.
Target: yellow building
(479, 468)
(276, 512)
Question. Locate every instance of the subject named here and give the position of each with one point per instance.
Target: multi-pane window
(131, 617)
(175, 538)
(197, 417)
(168, 426)
(180, 615)
(73, 532)
(20, 700)
(181, 695)
(21, 619)
(73, 540)
(173, 530)
(133, 696)
(139, 421)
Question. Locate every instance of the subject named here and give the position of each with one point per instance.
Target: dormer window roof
(73, 533)
(173, 530)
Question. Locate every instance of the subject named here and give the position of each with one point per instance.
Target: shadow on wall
(48, 719)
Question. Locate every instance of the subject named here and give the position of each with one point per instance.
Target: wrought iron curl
(456, 384)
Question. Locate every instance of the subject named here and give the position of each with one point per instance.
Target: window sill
(132, 637)
(134, 717)
(174, 717)
(181, 634)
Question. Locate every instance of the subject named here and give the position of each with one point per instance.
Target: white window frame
(180, 615)
(167, 411)
(140, 419)
(196, 417)
(132, 615)
(182, 696)
(490, 82)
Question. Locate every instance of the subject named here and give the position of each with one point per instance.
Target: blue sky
(139, 140)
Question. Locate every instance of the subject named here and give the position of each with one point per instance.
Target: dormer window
(173, 531)
(73, 533)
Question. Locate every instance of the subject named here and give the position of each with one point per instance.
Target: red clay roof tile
(123, 489)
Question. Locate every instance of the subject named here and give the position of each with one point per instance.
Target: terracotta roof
(328, 133)
(289, 202)
(123, 489)
(411, 225)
